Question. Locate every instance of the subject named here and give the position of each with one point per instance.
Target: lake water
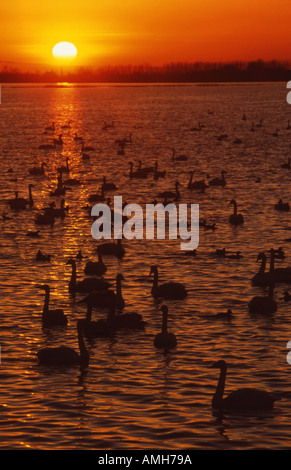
(133, 395)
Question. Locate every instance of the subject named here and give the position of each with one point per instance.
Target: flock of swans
(98, 292)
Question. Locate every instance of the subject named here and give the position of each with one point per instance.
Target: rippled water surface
(132, 395)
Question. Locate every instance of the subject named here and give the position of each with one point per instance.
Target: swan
(165, 339)
(218, 181)
(158, 174)
(72, 182)
(47, 146)
(64, 168)
(50, 128)
(170, 290)
(41, 257)
(282, 206)
(243, 399)
(276, 134)
(198, 128)
(97, 268)
(136, 174)
(147, 169)
(180, 158)
(279, 274)
(200, 184)
(263, 305)
(59, 141)
(97, 329)
(78, 138)
(222, 137)
(97, 197)
(45, 219)
(130, 320)
(235, 218)
(170, 194)
(88, 284)
(65, 356)
(105, 298)
(262, 278)
(228, 315)
(86, 148)
(108, 186)
(287, 165)
(51, 317)
(236, 255)
(38, 170)
(113, 249)
(20, 202)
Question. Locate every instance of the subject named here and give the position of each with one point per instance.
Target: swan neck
(218, 396)
(263, 265)
(165, 323)
(89, 313)
(235, 208)
(46, 302)
(84, 356)
(73, 280)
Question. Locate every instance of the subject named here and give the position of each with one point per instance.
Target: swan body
(235, 218)
(108, 186)
(19, 203)
(95, 268)
(263, 305)
(165, 339)
(279, 274)
(41, 257)
(112, 249)
(97, 329)
(179, 158)
(287, 165)
(140, 174)
(243, 399)
(200, 184)
(38, 170)
(51, 317)
(170, 290)
(282, 206)
(218, 181)
(170, 194)
(65, 356)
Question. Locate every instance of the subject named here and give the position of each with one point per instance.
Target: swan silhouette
(51, 317)
(243, 399)
(170, 194)
(199, 184)
(287, 165)
(105, 298)
(235, 218)
(263, 305)
(158, 174)
(180, 158)
(165, 339)
(262, 278)
(282, 206)
(279, 274)
(112, 249)
(65, 356)
(20, 203)
(140, 174)
(95, 268)
(170, 290)
(97, 329)
(108, 186)
(88, 284)
(38, 170)
(218, 181)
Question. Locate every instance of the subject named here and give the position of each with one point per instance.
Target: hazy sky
(150, 31)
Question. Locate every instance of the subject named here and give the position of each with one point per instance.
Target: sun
(64, 50)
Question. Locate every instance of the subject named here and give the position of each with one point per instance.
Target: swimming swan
(243, 399)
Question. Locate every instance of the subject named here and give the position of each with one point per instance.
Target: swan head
(71, 261)
(154, 269)
(233, 201)
(164, 309)
(221, 364)
(44, 287)
(120, 277)
(261, 256)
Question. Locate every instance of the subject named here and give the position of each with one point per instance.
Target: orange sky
(152, 31)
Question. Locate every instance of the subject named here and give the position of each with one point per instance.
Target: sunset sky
(154, 32)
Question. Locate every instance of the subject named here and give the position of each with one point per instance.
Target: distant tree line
(197, 72)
